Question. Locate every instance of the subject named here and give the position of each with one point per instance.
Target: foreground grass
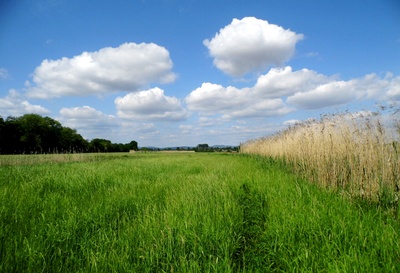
(184, 213)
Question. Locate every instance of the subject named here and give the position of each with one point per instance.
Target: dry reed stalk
(357, 152)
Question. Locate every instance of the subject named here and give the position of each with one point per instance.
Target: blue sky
(184, 72)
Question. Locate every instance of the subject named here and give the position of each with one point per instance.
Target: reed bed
(355, 153)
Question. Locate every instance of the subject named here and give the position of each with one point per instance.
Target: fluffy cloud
(383, 89)
(393, 94)
(251, 44)
(263, 108)
(14, 104)
(82, 113)
(213, 99)
(89, 122)
(281, 91)
(125, 68)
(330, 94)
(280, 82)
(150, 104)
(338, 92)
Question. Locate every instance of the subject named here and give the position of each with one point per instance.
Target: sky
(182, 72)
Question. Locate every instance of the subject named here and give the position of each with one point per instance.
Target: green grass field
(183, 212)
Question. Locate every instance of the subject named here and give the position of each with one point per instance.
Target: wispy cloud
(4, 74)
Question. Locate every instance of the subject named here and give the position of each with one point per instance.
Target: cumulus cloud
(212, 98)
(263, 108)
(14, 104)
(150, 104)
(393, 93)
(280, 82)
(231, 102)
(89, 122)
(282, 90)
(383, 89)
(131, 129)
(128, 67)
(339, 92)
(251, 44)
(82, 113)
(333, 93)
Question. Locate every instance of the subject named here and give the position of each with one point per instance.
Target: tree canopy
(32, 133)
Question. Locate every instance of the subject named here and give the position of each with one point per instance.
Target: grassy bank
(161, 212)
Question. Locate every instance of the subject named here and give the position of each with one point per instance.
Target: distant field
(182, 212)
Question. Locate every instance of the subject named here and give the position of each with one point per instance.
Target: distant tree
(133, 145)
(32, 133)
(72, 142)
(202, 148)
(100, 145)
(51, 136)
(11, 134)
(2, 133)
(33, 129)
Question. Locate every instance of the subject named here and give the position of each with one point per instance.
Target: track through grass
(160, 212)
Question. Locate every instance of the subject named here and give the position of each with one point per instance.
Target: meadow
(183, 212)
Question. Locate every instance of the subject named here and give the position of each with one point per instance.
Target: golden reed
(355, 152)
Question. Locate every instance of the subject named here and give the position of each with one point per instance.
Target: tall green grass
(184, 213)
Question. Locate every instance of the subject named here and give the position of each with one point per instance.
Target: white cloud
(251, 44)
(338, 92)
(209, 122)
(150, 104)
(186, 129)
(89, 122)
(125, 68)
(14, 104)
(262, 108)
(280, 82)
(291, 122)
(329, 94)
(214, 98)
(305, 88)
(384, 89)
(231, 102)
(281, 90)
(393, 93)
(146, 128)
(82, 113)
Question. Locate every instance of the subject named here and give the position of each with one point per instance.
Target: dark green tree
(32, 133)
(202, 148)
(100, 145)
(133, 145)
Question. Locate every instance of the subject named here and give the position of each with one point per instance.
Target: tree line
(32, 133)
